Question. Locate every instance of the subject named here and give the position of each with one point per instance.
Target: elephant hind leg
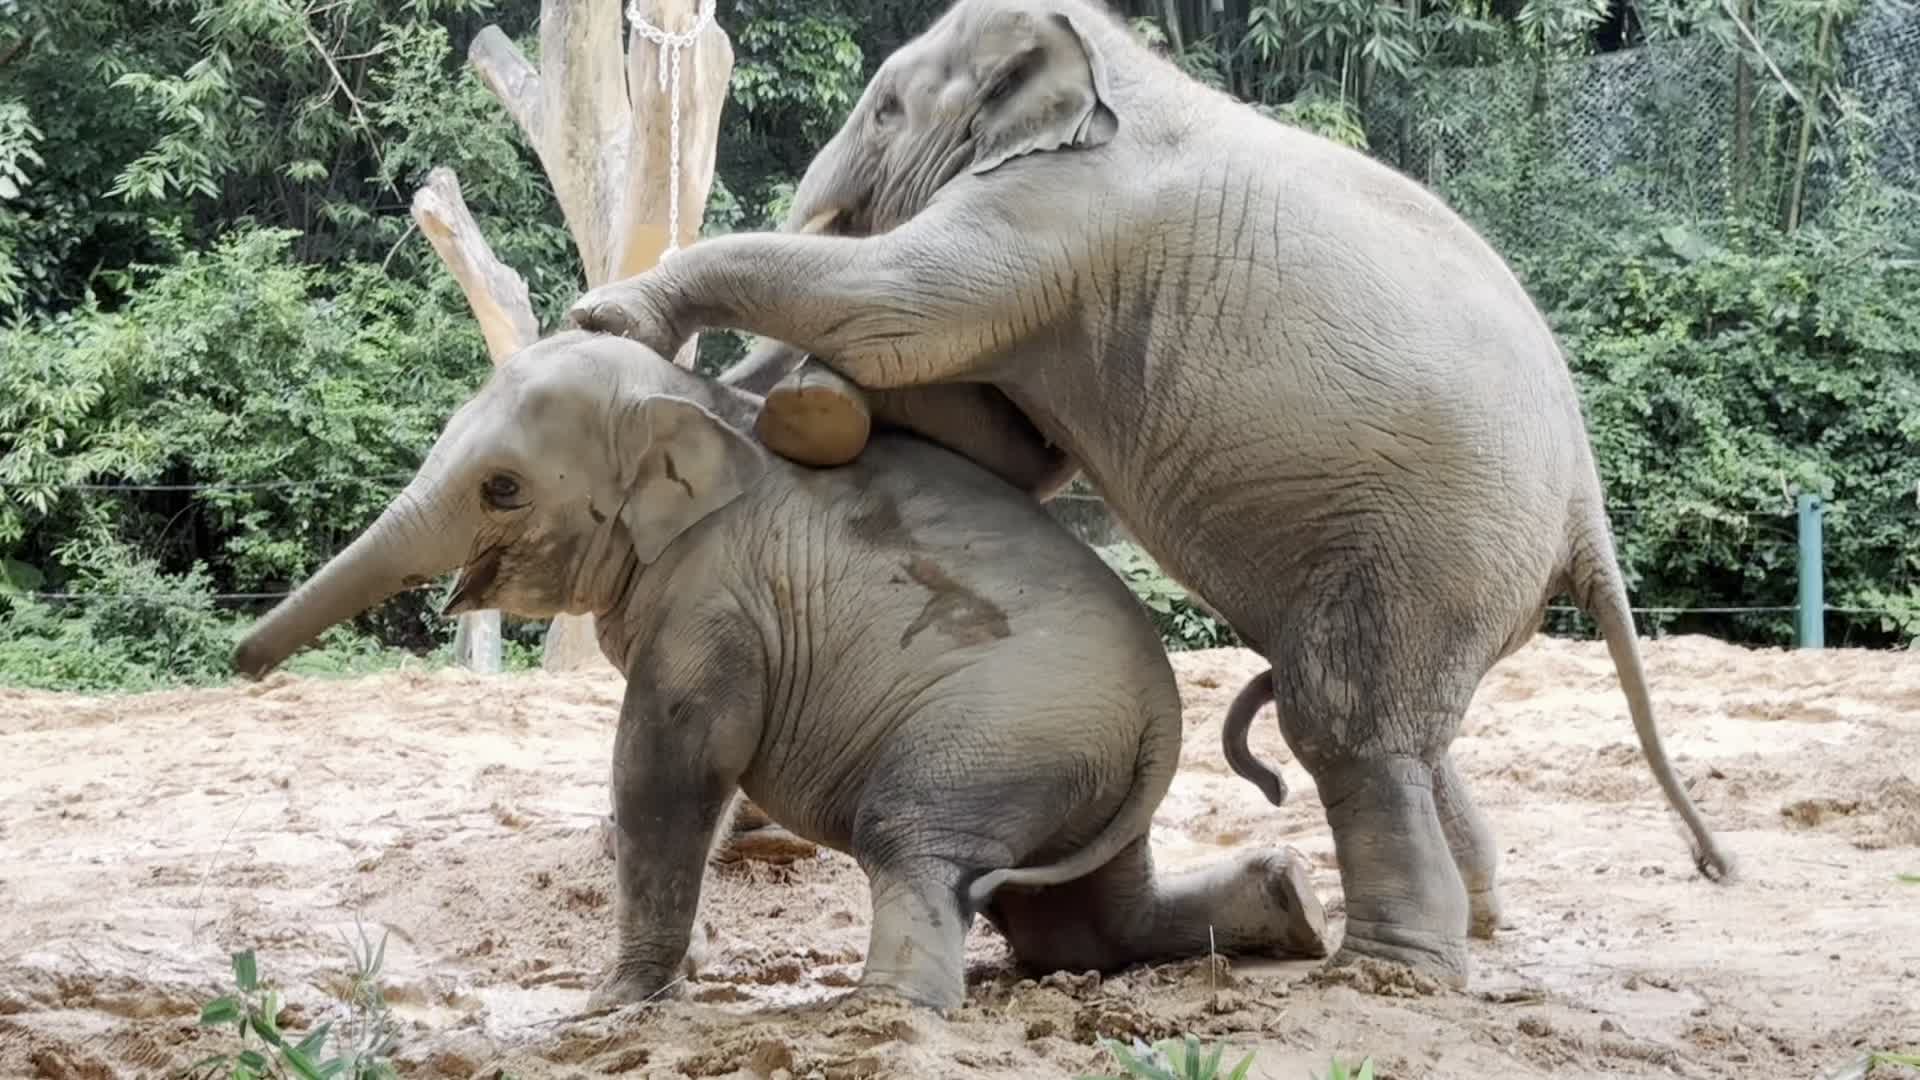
(1471, 842)
(1258, 902)
(1371, 680)
(1405, 899)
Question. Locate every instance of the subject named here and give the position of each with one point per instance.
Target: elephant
(821, 423)
(1318, 398)
(904, 659)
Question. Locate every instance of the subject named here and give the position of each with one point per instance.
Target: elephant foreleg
(931, 301)
(978, 422)
(675, 780)
(919, 937)
(815, 416)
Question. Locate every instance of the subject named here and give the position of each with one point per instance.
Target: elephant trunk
(406, 546)
(830, 198)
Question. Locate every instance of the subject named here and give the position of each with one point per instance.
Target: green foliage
(804, 70)
(362, 1039)
(1723, 374)
(1182, 622)
(1173, 1059)
(797, 71)
(208, 276)
(1329, 118)
(307, 397)
(1338, 1071)
(184, 119)
(440, 118)
(19, 139)
(145, 628)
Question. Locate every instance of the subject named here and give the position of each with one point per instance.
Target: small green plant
(1173, 1059)
(1362, 1071)
(1888, 1057)
(362, 1040)
(1182, 622)
(1907, 879)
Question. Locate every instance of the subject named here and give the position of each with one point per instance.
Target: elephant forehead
(898, 71)
(951, 95)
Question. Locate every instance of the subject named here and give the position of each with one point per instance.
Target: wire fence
(1653, 119)
(1083, 514)
(213, 487)
(258, 485)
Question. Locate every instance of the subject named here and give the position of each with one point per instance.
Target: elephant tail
(1153, 773)
(1601, 592)
(1233, 738)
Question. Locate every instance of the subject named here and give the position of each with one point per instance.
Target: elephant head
(581, 454)
(990, 81)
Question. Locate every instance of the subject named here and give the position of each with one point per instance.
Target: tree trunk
(1809, 116)
(603, 127)
(1742, 118)
(500, 302)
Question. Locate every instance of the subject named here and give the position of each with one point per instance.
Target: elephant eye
(888, 108)
(1013, 75)
(500, 491)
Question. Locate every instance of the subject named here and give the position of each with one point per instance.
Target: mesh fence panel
(1882, 59)
(1654, 121)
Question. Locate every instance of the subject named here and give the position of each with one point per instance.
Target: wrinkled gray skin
(1313, 393)
(904, 659)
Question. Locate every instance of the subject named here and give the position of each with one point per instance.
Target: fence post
(1811, 621)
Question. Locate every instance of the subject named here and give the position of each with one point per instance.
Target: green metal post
(1811, 623)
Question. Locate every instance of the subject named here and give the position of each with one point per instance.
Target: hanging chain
(671, 46)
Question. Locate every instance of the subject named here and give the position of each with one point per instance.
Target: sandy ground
(142, 838)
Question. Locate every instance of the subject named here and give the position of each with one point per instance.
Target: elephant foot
(772, 845)
(888, 989)
(621, 990)
(1299, 926)
(1474, 853)
(815, 417)
(1485, 913)
(749, 817)
(1406, 902)
(1431, 956)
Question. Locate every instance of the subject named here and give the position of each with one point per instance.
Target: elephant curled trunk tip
(253, 659)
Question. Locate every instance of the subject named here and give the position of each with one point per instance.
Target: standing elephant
(905, 659)
(1310, 390)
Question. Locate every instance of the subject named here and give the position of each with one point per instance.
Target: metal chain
(671, 46)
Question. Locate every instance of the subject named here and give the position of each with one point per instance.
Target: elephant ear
(1043, 87)
(689, 464)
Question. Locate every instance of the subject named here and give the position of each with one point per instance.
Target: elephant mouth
(476, 580)
(840, 221)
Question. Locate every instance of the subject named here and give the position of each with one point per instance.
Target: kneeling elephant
(904, 659)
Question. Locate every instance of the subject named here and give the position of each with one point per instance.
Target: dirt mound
(143, 838)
